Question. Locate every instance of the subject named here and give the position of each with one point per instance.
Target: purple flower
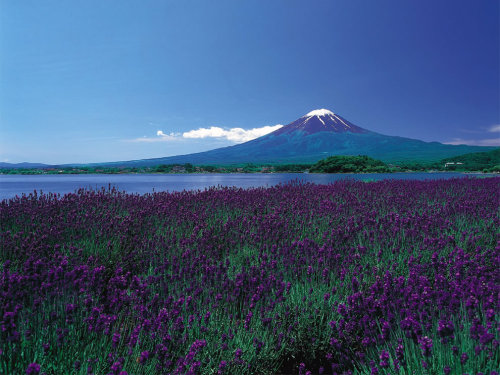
(366, 341)
(384, 359)
(426, 346)
(115, 339)
(445, 328)
(463, 358)
(115, 367)
(70, 308)
(355, 284)
(33, 369)
(400, 351)
(327, 231)
(144, 356)
(486, 338)
(238, 353)
(386, 328)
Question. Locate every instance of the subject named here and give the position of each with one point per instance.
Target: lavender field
(390, 277)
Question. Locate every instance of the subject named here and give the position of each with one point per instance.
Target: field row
(348, 278)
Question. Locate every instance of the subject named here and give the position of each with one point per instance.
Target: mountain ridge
(320, 120)
(24, 165)
(312, 137)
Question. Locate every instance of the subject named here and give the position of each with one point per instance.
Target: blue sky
(92, 81)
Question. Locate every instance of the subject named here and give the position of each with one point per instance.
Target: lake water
(12, 185)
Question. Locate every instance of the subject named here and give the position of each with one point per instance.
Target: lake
(12, 185)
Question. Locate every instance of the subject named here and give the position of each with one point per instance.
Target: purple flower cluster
(297, 278)
(33, 369)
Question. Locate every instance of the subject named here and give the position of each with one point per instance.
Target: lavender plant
(347, 278)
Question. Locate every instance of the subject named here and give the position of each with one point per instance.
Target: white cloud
(476, 142)
(494, 129)
(237, 135)
(161, 137)
(170, 136)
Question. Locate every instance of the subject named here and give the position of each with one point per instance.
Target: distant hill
(349, 164)
(315, 136)
(24, 165)
(475, 160)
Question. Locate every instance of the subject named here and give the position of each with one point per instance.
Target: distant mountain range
(314, 136)
(317, 135)
(24, 165)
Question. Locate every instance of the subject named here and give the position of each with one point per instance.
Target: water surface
(12, 185)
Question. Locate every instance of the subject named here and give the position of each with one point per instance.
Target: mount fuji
(314, 136)
(320, 120)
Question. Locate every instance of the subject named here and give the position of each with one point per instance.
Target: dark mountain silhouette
(315, 136)
(24, 165)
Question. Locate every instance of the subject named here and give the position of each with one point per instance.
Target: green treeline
(475, 161)
(349, 164)
(287, 168)
(479, 161)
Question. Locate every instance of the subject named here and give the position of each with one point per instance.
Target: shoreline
(234, 173)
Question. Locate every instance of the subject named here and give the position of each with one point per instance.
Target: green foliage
(347, 164)
(189, 167)
(488, 162)
(250, 168)
(477, 161)
(292, 167)
(163, 168)
(208, 168)
(443, 354)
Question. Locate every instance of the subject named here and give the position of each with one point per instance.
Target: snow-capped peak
(319, 112)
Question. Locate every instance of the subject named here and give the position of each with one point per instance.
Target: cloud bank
(495, 129)
(237, 135)
(474, 142)
(161, 137)
(479, 142)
